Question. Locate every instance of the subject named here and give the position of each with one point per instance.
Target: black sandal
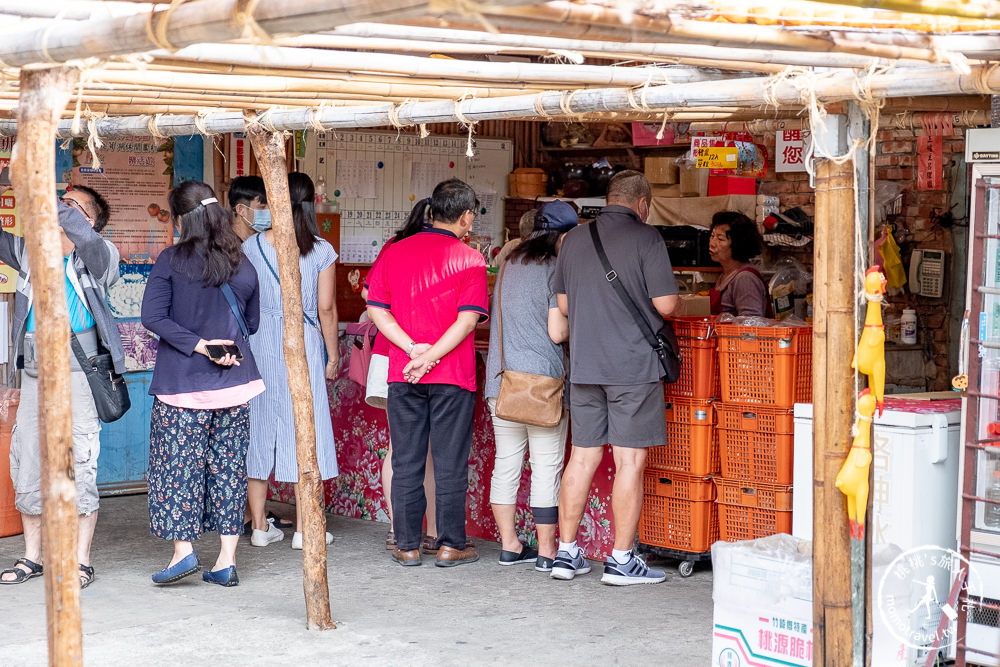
(86, 575)
(20, 575)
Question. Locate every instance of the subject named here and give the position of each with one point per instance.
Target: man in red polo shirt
(426, 296)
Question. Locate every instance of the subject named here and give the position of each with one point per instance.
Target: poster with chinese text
(790, 150)
(134, 176)
(9, 220)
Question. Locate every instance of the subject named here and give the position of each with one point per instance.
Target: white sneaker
(261, 538)
(566, 567)
(635, 571)
(297, 540)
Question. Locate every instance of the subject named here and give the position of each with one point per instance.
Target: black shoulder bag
(109, 388)
(664, 341)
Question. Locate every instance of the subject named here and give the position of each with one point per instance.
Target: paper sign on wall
(717, 157)
(9, 220)
(790, 150)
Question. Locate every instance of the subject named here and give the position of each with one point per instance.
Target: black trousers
(419, 414)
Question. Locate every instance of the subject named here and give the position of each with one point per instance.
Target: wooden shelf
(699, 269)
(673, 148)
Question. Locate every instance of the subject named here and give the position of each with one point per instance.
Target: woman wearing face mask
(272, 433)
(248, 201)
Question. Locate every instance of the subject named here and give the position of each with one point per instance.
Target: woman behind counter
(200, 423)
(740, 290)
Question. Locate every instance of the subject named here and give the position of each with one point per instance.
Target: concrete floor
(386, 615)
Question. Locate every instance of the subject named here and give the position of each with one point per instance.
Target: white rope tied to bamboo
(199, 122)
(393, 114)
(982, 78)
(663, 125)
(93, 140)
(264, 120)
(955, 60)
(243, 17)
(313, 118)
(539, 105)
(424, 132)
(465, 122)
(152, 125)
(770, 87)
(566, 104)
(156, 26)
(870, 105)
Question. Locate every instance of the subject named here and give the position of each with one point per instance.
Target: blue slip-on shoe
(182, 568)
(635, 571)
(225, 577)
(566, 567)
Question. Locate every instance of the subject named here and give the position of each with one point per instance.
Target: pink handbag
(361, 350)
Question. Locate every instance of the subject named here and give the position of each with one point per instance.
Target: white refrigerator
(914, 496)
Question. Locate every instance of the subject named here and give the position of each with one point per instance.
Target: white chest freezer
(915, 460)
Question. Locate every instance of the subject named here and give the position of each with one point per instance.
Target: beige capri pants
(25, 461)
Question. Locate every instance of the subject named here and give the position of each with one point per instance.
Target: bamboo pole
(270, 151)
(833, 382)
(739, 56)
(607, 23)
(750, 93)
(44, 94)
(194, 22)
(963, 8)
(434, 68)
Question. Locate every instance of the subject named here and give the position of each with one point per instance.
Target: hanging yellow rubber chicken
(870, 355)
(852, 480)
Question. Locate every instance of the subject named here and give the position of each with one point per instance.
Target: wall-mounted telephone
(927, 272)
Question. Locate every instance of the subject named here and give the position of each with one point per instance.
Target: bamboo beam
(660, 50)
(749, 93)
(833, 406)
(270, 151)
(435, 68)
(44, 94)
(194, 22)
(963, 8)
(607, 23)
(71, 11)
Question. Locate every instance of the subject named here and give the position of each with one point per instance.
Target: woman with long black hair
(202, 301)
(272, 431)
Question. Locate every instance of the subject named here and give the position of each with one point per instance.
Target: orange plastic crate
(748, 511)
(691, 442)
(765, 365)
(699, 376)
(756, 443)
(678, 512)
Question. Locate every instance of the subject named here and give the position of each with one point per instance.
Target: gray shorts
(631, 415)
(25, 463)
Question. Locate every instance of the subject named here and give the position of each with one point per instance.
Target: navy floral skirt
(197, 471)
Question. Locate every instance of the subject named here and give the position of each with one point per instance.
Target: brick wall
(915, 227)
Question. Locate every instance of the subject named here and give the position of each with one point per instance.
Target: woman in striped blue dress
(272, 433)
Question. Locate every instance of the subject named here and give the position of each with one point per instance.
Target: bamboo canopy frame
(267, 66)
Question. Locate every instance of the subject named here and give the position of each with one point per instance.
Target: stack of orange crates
(679, 512)
(764, 371)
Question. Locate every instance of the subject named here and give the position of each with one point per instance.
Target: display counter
(362, 437)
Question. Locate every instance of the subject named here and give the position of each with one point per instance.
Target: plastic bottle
(908, 327)
(991, 516)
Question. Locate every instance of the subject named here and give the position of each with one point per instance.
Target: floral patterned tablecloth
(362, 437)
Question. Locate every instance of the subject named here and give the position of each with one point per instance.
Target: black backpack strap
(612, 277)
(227, 291)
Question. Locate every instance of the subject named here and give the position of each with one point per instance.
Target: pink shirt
(214, 399)
(425, 281)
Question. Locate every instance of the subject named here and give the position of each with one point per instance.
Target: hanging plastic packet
(891, 259)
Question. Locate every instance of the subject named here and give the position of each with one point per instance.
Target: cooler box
(10, 518)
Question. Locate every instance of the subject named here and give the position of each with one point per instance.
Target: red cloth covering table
(362, 436)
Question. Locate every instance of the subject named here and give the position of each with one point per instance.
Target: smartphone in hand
(216, 352)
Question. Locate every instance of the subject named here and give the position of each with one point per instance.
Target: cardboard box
(694, 182)
(696, 305)
(662, 170)
(731, 185)
(762, 591)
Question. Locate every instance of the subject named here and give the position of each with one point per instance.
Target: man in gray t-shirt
(617, 395)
